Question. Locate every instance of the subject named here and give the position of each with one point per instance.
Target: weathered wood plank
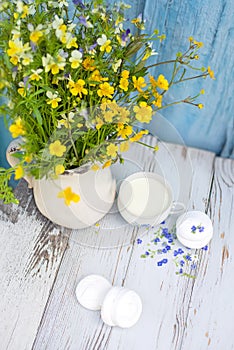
(210, 319)
(66, 325)
(31, 249)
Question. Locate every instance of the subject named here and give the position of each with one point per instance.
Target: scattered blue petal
(156, 240)
(164, 250)
(163, 222)
(165, 261)
(181, 262)
(165, 231)
(205, 248)
(180, 251)
(188, 257)
(193, 266)
(147, 253)
(201, 229)
(168, 247)
(139, 241)
(180, 270)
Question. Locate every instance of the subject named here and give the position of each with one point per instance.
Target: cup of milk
(146, 198)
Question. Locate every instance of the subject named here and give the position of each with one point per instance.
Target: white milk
(146, 197)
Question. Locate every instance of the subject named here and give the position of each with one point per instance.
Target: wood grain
(212, 298)
(166, 298)
(31, 249)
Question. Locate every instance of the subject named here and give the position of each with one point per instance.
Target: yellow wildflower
(96, 76)
(139, 135)
(143, 113)
(22, 89)
(124, 131)
(99, 123)
(54, 64)
(19, 172)
(53, 99)
(28, 158)
(124, 146)
(17, 128)
(88, 64)
(198, 43)
(202, 91)
(77, 88)
(211, 73)
(105, 90)
(153, 82)
(111, 150)
(57, 149)
(162, 82)
(69, 196)
(107, 164)
(123, 84)
(59, 169)
(36, 74)
(158, 99)
(35, 36)
(123, 115)
(138, 83)
(200, 105)
(14, 60)
(104, 44)
(125, 74)
(108, 116)
(75, 59)
(95, 167)
(156, 148)
(15, 47)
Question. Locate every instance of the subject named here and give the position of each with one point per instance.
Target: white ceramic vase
(96, 190)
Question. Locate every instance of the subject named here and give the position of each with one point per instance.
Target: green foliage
(6, 193)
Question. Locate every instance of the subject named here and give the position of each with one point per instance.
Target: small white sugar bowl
(194, 229)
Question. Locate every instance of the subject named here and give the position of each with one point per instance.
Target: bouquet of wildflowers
(77, 84)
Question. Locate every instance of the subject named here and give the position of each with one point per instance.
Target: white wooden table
(41, 264)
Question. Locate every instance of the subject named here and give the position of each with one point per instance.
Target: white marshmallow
(91, 291)
(198, 237)
(121, 307)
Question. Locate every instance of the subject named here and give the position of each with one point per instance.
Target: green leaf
(37, 115)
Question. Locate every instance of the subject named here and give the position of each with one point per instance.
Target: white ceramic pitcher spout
(96, 191)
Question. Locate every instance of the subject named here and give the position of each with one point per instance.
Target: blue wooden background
(210, 21)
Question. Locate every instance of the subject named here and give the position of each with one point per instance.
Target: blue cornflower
(180, 251)
(175, 253)
(193, 229)
(201, 228)
(159, 263)
(180, 270)
(205, 248)
(156, 240)
(165, 231)
(139, 241)
(168, 247)
(162, 223)
(147, 253)
(181, 262)
(188, 257)
(164, 261)
(170, 240)
(164, 250)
